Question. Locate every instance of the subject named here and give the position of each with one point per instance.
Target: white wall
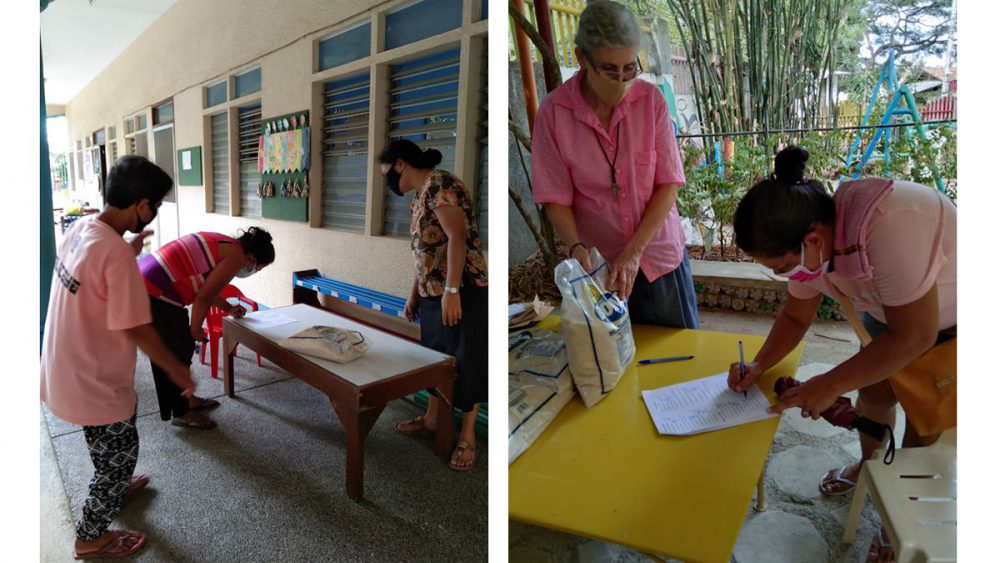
(195, 43)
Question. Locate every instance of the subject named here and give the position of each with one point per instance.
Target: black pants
(174, 327)
(114, 450)
(466, 341)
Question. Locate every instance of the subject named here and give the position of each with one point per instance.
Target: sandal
(204, 404)
(197, 420)
(137, 484)
(835, 484)
(415, 428)
(125, 542)
(460, 449)
(881, 549)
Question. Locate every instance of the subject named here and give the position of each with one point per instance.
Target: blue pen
(661, 360)
(742, 373)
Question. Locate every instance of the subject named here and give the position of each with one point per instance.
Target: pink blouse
(570, 166)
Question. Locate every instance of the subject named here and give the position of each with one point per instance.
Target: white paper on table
(703, 405)
(264, 319)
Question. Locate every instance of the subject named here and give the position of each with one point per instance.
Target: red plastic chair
(214, 326)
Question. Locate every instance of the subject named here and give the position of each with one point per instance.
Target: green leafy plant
(709, 199)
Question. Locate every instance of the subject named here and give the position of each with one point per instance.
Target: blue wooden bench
(374, 308)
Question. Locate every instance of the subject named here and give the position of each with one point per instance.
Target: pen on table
(661, 360)
(742, 373)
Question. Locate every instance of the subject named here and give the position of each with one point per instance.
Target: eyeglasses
(628, 72)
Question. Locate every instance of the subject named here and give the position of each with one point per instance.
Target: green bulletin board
(189, 166)
(279, 206)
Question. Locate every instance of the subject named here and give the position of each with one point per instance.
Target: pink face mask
(802, 274)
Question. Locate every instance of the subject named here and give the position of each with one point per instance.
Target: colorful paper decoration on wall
(285, 151)
(283, 157)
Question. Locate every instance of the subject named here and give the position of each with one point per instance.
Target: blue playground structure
(896, 113)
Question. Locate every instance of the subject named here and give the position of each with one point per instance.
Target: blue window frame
(215, 94)
(421, 20)
(247, 83)
(346, 46)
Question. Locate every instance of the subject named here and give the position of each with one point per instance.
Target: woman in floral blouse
(449, 289)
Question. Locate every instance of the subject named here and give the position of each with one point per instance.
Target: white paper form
(265, 319)
(703, 405)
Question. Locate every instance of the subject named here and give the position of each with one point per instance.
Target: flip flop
(414, 428)
(137, 484)
(880, 549)
(205, 404)
(200, 422)
(126, 542)
(461, 448)
(829, 479)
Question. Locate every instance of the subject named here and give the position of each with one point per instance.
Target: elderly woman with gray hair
(606, 166)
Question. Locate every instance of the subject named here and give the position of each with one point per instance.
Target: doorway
(168, 219)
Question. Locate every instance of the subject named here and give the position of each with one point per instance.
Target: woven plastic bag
(538, 357)
(596, 327)
(540, 386)
(328, 342)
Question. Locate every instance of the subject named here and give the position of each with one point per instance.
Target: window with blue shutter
(423, 101)
(249, 132)
(346, 103)
(220, 163)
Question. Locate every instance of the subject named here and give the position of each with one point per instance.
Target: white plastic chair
(916, 498)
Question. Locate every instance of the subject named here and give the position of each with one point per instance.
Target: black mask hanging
(392, 181)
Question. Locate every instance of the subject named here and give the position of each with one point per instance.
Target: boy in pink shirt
(98, 313)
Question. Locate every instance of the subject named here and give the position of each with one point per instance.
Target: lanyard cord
(618, 138)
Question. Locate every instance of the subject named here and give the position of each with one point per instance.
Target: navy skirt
(466, 341)
(670, 300)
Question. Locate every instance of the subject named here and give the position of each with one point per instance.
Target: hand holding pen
(743, 374)
(742, 369)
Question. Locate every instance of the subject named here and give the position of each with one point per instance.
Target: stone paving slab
(797, 471)
(775, 536)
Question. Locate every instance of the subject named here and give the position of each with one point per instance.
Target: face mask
(392, 181)
(245, 271)
(139, 223)
(610, 91)
(802, 274)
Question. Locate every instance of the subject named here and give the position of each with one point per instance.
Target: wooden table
(391, 369)
(606, 473)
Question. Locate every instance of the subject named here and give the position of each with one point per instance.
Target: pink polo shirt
(569, 168)
(912, 247)
(88, 360)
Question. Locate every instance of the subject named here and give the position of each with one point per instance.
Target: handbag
(927, 387)
(328, 342)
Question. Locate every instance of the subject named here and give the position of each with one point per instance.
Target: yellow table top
(606, 473)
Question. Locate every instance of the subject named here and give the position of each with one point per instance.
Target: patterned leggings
(114, 449)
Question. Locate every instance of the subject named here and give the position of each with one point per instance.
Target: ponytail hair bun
(432, 157)
(790, 165)
(257, 242)
(410, 153)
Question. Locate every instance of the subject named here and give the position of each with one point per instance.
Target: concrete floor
(268, 483)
